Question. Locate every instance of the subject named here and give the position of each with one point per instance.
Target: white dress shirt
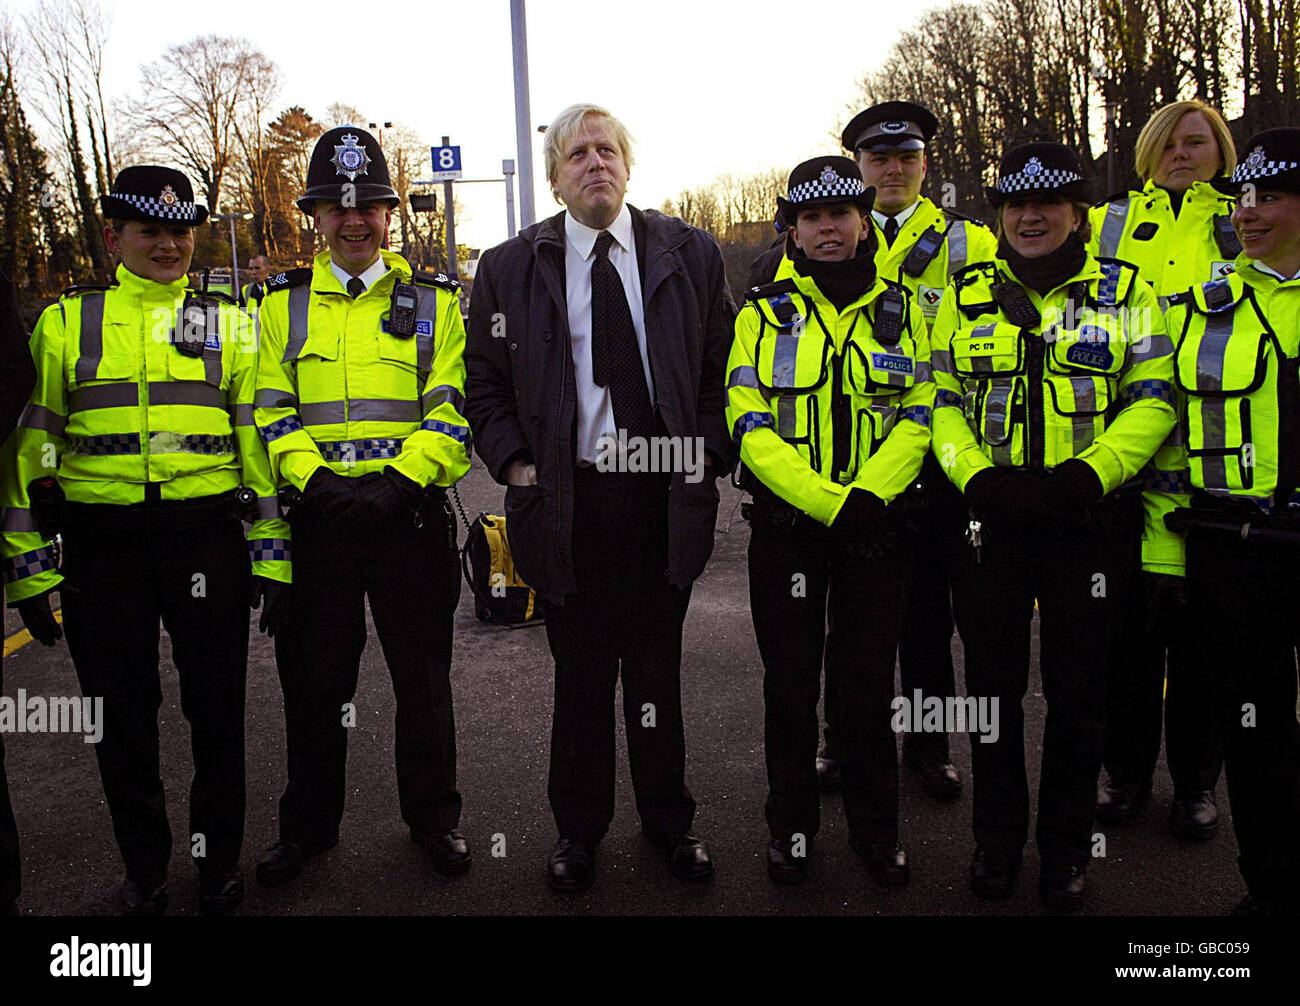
(902, 216)
(373, 274)
(595, 406)
(1273, 272)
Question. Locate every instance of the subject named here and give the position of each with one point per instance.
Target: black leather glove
(390, 497)
(1012, 494)
(39, 620)
(335, 498)
(984, 485)
(860, 510)
(1076, 485)
(273, 598)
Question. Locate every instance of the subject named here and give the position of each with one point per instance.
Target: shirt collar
(583, 238)
(1270, 271)
(902, 216)
(370, 277)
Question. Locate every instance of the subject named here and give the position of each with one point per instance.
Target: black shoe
(783, 866)
(685, 855)
(828, 769)
(1062, 887)
(992, 876)
(572, 865)
(222, 893)
(144, 899)
(939, 777)
(448, 851)
(284, 860)
(1120, 803)
(1194, 817)
(886, 861)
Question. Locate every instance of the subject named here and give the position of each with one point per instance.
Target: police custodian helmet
(152, 192)
(347, 160)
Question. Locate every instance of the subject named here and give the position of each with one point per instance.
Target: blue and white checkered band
(820, 188)
(1258, 165)
(351, 158)
(154, 207)
(1038, 178)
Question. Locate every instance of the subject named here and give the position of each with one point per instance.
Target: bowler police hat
(1273, 162)
(152, 192)
(1040, 168)
(821, 181)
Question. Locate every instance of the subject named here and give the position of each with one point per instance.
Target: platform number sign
(446, 163)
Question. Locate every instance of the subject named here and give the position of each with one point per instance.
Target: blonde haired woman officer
(1177, 230)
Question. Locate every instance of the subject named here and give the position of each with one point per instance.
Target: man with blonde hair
(606, 325)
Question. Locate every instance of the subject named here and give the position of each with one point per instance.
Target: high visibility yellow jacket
(799, 370)
(336, 389)
(1236, 342)
(1091, 380)
(1173, 254)
(930, 248)
(117, 405)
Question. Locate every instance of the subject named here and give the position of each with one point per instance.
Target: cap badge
(1033, 166)
(350, 159)
(168, 196)
(1256, 157)
(893, 127)
(828, 175)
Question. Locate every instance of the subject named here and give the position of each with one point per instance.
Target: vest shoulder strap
(288, 280)
(435, 279)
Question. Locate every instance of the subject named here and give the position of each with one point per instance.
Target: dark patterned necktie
(891, 231)
(356, 287)
(615, 356)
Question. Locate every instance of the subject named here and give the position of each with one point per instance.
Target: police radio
(1017, 306)
(923, 252)
(888, 326)
(1225, 236)
(401, 310)
(197, 312)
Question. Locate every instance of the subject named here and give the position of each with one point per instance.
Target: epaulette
(286, 280)
(435, 279)
(771, 289)
(80, 288)
(954, 215)
(1122, 194)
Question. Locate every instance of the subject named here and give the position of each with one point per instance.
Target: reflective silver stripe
(274, 398)
(299, 298)
(783, 360)
(426, 309)
(16, 520)
(941, 360)
(1209, 377)
(198, 393)
(1152, 347)
(384, 410)
(92, 336)
(104, 396)
(1112, 230)
(212, 366)
(923, 372)
(787, 422)
(320, 413)
(242, 415)
(434, 397)
(996, 403)
(956, 247)
(38, 417)
(268, 508)
(743, 377)
(1085, 400)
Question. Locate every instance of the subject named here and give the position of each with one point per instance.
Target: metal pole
(523, 131)
(508, 169)
(1110, 146)
(450, 211)
(234, 258)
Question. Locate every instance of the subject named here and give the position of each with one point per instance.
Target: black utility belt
(175, 515)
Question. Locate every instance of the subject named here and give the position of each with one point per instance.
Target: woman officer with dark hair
(1053, 375)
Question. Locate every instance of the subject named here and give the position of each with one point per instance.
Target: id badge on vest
(1218, 270)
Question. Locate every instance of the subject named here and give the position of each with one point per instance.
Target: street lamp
(234, 255)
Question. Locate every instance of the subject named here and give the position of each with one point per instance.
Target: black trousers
(625, 619)
(1242, 614)
(802, 574)
(937, 518)
(412, 578)
(11, 871)
(1153, 677)
(126, 569)
(1075, 569)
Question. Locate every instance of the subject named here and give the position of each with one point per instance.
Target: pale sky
(705, 86)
